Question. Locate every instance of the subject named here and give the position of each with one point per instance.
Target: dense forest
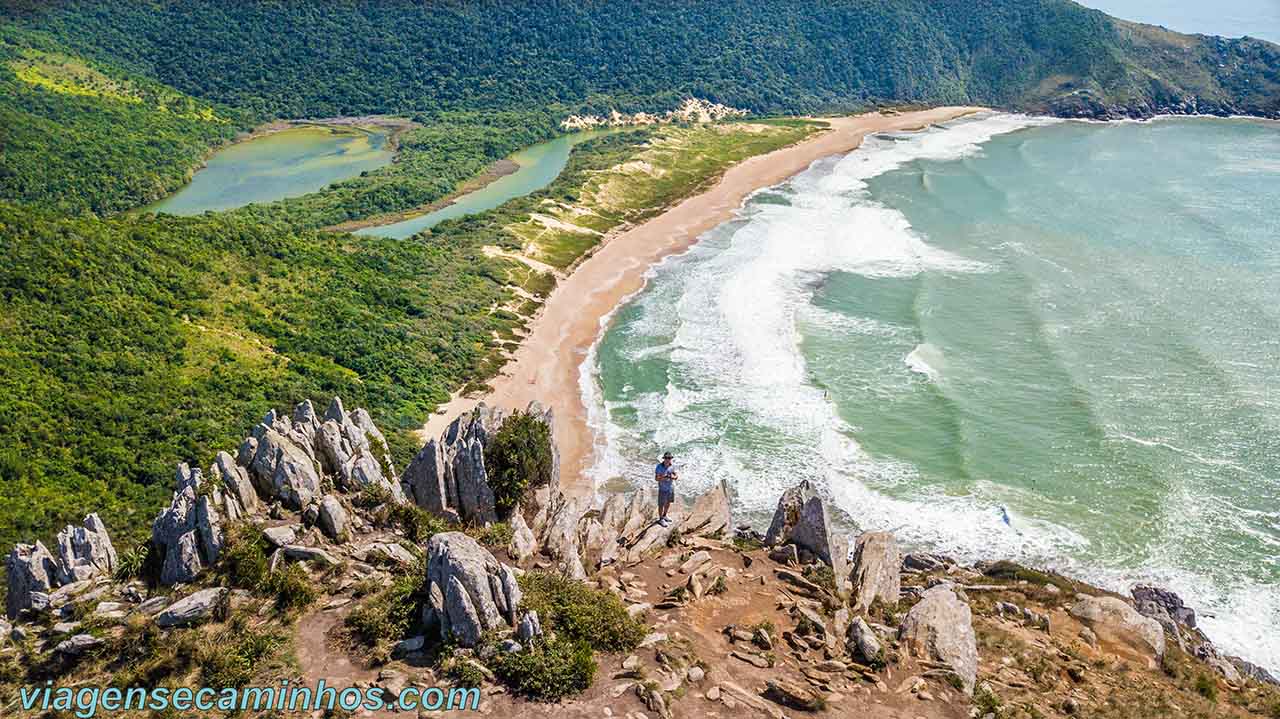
(130, 342)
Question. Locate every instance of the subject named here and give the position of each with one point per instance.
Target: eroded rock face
(193, 609)
(710, 515)
(801, 519)
(1170, 603)
(32, 574)
(469, 591)
(188, 533)
(284, 470)
(877, 574)
(1112, 619)
(85, 552)
(940, 628)
(523, 543)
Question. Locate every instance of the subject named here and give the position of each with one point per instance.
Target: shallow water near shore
(282, 164)
(539, 165)
(1077, 324)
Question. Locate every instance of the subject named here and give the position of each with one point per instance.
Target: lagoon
(282, 164)
(539, 166)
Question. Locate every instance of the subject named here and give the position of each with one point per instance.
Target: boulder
(1145, 595)
(77, 645)
(284, 470)
(1112, 619)
(85, 551)
(523, 544)
(710, 515)
(387, 553)
(940, 628)
(862, 642)
(194, 608)
(32, 574)
(877, 565)
(235, 482)
(333, 518)
(282, 535)
(530, 626)
(801, 519)
(468, 592)
(299, 553)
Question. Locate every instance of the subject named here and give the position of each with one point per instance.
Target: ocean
(1057, 342)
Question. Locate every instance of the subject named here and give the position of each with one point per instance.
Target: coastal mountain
(770, 56)
(147, 340)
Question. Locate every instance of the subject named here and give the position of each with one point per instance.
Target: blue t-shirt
(661, 472)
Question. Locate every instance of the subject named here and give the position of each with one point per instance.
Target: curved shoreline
(547, 366)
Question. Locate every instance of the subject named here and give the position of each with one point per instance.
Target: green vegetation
(549, 669)
(130, 342)
(581, 613)
(245, 565)
(383, 619)
(518, 459)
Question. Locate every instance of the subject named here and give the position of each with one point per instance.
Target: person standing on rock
(665, 474)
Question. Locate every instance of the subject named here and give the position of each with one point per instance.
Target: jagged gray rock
(192, 609)
(710, 515)
(530, 626)
(333, 519)
(1112, 619)
(188, 533)
(801, 519)
(940, 628)
(32, 574)
(877, 570)
(523, 543)
(235, 481)
(77, 645)
(284, 470)
(862, 642)
(85, 551)
(469, 591)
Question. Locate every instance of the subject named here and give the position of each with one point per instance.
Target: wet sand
(547, 365)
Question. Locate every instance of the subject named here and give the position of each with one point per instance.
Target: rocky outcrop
(188, 533)
(801, 519)
(710, 515)
(32, 574)
(85, 552)
(448, 476)
(468, 591)
(1112, 619)
(877, 575)
(940, 628)
(193, 609)
(1166, 602)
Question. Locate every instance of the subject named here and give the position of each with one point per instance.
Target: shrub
(518, 458)
(132, 562)
(387, 616)
(1206, 687)
(580, 612)
(495, 536)
(417, 523)
(548, 669)
(244, 564)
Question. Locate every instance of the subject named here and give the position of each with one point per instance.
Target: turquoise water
(1077, 324)
(539, 166)
(283, 164)
(1230, 18)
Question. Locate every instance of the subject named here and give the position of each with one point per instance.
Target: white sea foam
(724, 319)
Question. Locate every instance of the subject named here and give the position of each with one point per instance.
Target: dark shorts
(666, 494)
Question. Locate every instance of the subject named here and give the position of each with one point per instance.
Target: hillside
(771, 56)
(148, 340)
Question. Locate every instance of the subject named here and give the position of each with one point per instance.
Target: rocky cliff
(378, 580)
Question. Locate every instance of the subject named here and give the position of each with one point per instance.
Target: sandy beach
(546, 367)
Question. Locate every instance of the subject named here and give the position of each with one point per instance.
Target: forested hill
(315, 57)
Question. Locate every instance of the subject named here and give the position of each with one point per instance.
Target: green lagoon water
(283, 164)
(1053, 341)
(539, 166)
